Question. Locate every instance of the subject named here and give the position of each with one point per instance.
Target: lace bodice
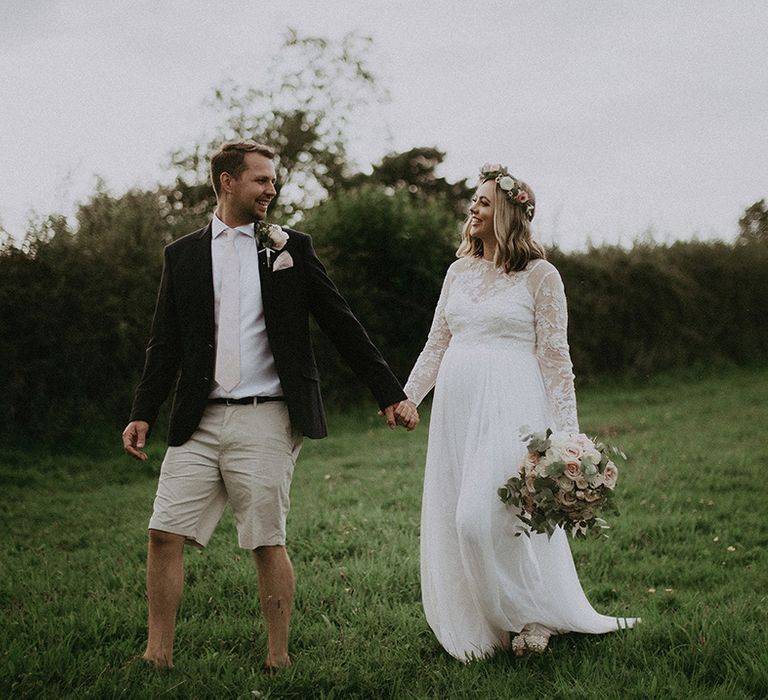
(527, 310)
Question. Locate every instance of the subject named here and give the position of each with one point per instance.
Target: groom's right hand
(134, 439)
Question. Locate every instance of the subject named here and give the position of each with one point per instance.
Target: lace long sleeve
(551, 325)
(424, 373)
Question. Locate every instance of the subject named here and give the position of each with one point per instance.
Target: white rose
(556, 453)
(506, 183)
(559, 440)
(596, 481)
(591, 455)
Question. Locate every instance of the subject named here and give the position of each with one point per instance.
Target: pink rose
(522, 197)
(591, 496)
(610, 475)
(529, 463)
(582, 483)
(565, 484)
(589, 452)
(528, 504)
(583, 441)
(573, 470)
(567, 499)
(277, 236)
(586, 514)
(572, 452)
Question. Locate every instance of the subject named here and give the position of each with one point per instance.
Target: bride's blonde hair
(515, 246)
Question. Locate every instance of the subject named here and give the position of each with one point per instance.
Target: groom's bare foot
(145, 662)
(272, 665)
(159, 662)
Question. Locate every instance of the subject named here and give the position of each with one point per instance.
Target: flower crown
(514, 189)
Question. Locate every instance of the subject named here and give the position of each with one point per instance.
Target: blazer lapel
(265, 281)
(202, 279)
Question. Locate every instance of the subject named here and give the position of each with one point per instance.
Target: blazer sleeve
(163, 356)
(347, 334)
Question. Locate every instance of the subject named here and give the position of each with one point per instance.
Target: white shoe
(534, 638)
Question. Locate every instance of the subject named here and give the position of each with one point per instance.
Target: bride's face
(481, 212)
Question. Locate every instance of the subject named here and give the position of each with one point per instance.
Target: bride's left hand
(407, 415)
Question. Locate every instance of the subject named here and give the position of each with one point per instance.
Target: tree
(753, 225)
(414, 171)
(388, 253)
(314, 88)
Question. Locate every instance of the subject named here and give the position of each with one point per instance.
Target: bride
(497, 356)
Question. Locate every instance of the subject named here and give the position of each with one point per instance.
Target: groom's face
(253, 190)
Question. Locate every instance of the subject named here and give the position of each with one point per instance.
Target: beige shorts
(241, 455)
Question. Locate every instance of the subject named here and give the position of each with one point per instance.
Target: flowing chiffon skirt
(479, 581)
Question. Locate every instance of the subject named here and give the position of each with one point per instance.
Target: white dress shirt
(258, 375)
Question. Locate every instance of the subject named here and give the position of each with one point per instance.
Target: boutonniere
(271, 238)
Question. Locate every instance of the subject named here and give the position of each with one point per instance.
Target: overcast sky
(623, 116)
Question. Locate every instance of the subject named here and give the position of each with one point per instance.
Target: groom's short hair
(230, 157)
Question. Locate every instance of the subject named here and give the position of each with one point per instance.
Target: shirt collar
(218, 227)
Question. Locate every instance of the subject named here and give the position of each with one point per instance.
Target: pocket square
(283, 262)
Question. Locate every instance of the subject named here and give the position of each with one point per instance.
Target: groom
(232, 321)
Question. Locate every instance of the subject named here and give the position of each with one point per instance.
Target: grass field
(689, 554)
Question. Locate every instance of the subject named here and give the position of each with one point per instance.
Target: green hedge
(654, 308)
(76, 305)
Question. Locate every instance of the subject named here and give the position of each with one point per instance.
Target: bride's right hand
(407, 415)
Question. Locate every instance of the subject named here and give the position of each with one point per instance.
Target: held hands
(407, 415)
(403, 413)
(134, 439)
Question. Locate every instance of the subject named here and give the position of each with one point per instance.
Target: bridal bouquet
(564, 480)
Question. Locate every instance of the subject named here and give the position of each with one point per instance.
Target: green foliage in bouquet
(564, 481)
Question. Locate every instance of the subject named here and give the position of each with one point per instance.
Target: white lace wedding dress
(497, 356)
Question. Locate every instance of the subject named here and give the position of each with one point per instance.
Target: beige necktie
(228, 342)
